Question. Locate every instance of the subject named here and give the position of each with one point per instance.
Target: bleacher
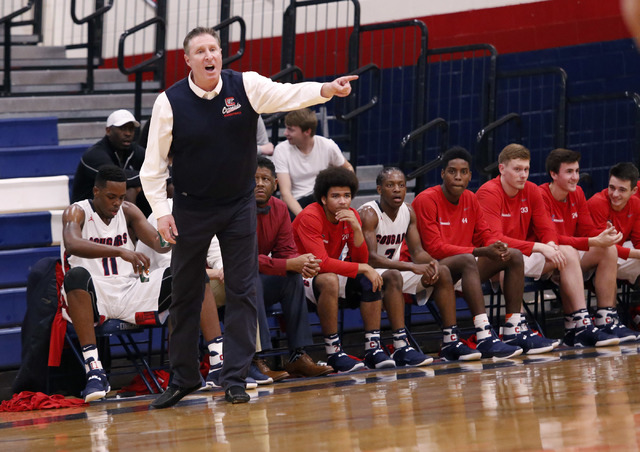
(35, 177)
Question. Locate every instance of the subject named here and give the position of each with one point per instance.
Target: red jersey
(571, 218)
(638, 191)
(313, 233)
(448, 229)
(626, 221)
(520, 220)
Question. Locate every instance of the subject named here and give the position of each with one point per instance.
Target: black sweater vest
(214, 144)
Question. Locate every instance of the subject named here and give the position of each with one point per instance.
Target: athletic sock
(512, 324)
(90, 356)
(371, 340)
(480, 322)
(400, 338)
(332, 344)
(579, 318)
(602, 314)
(449, 334)
(215, 351)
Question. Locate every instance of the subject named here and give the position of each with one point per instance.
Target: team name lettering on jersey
(390, 239)
(118, 240)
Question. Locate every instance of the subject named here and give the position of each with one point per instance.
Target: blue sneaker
(589, 336)
(343, 363)
(258, 376)
(530, 343)
(458, 351)
(617, 329)
(97, 386)
(250, 383)
(376, 358)
(409, 356)
(492, 347)
(211, 383)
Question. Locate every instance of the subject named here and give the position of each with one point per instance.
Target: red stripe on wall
(520, 28)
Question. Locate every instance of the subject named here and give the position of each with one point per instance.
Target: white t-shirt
(303, 168)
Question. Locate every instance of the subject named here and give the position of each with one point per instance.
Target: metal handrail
(561, 107)
(374, 99)
(439, 123)
(90, 20)
(140, 68)
(243, 37)
(489, 165)
(98, 12)
(6, 83)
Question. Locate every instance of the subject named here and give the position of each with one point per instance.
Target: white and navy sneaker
(492, 347)
(97, 385)
(376, 358)
(343, 363)
(409, 356)
(458, 351)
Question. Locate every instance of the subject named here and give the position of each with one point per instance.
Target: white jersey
(119, 292)
(390, 233)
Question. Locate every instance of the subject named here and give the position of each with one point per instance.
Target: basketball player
(387, 224)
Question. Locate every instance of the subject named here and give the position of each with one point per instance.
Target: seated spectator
(567, 208)
(453, 230)
(323, 229)
(515, 209)
(105, 278)
(387, 224)
(265, 147)
(118, 148)
(281, 270)
(617, 205)
(299, 159)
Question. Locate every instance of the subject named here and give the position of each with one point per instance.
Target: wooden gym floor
(568, 400)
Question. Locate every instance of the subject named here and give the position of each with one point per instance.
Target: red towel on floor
(138, 387)
(28, 401)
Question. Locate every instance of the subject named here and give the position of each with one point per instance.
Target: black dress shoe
(172, 395)
(236, 394)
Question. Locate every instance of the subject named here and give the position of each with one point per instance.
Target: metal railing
(94, 41)
(7, 23)
(149, 64)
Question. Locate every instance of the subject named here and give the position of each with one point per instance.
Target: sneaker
(376, 358)
(492, 347)
(211, 383)
(531, 343)
(250, 383)
(409, 356)
(258, 376)
(617, 329)
(458, 351)
(589, 336)
(342, 363)
(97, 386)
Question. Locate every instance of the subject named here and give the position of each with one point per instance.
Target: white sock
(215, 346)
(481, 321)
(604, 316)
(90, 356)
(449, 334)
(371, 340)
(512, 324)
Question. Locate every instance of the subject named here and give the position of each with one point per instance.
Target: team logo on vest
(230, 107)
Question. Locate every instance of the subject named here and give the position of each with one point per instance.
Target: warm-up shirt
(275, 238)
(520, 220)
(448, 229)
(626, 221)
(571, 218)
(265, 96)
(313, 233)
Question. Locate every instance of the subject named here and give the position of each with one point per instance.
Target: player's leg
(605, 263)
(515, 331)
(465, 268)
(83, 311)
